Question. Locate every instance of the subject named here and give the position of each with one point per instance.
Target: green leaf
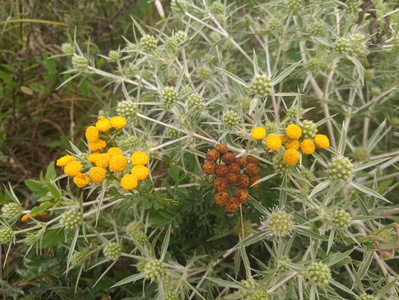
(342, 287)
(285, 73)
(224, 283)
(367, 191)
(54, 191)
(36, 187)
(54, 238)
(333, 259)
(368, 258)
(234, 77)
(311, 234)
(40, 209)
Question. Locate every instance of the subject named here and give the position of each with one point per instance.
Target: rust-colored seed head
(232, 205)
(252, 169)
(209, 167)
(212, 155)
(254, 179)
(243, 181)
(221, 148)
(221, 184)
(221, 198)
(242, 162)
(252, 159)
(234, 168)
(221, 171)
(232, 178)
(242, 195)
(229, 158)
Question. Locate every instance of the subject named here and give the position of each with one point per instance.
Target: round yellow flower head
(97, 174)
(129, 182)
(273, 142)
(114, 151)
(92, 134)
(81, 180)
(63, 161)
(118, 122)
(73, 168)
(293, 131)
(291, 157)
(258, 133)
(118, 163)
(308, 146)
(141, 172)
(292, 144)
(93, 157)
(283, 139)
(97, 145)
(139, 158)
(322, 141)
(102, 160)
(103, 124)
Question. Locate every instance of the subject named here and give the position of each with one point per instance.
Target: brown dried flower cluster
(234, 175)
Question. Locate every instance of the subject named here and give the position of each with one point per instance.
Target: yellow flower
(129, 182)
(292, 144)
(258, 133)
(308, 146)
(322, 141)
(117, 163)
(103, 125)
(139, 158)
(73, 168)
(102, 160)
(114, 151)
(25, 218)
(283, 139)
(97, 145)
(293, 131)
(141, 172)
(92, 134)
(291, 157)
(93, 157)
(273, 142)
(118, 122)
(81, 180)
(97, 174)
(62, 162)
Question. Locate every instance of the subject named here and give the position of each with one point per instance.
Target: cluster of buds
(318, 273)
(154, 270)
(297, 138)
(112, 251)
(101, 162)
(11, 210)
(233, 176)
(135, 230)
(252, 291)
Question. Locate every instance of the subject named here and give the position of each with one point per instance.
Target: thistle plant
(263, 169)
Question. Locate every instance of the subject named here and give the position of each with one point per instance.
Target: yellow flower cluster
(103, 162)
(139, 172)
(291, 141)
(25, 218)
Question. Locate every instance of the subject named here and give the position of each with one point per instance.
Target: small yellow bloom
(114, 151)
(81, 180)
(73, 168)
(97, 174)
(283, 139)
(129, 182)
(273, 142)
(322, 141)
(139, 158)
(118, 163)
(141, 172)
(118, 122)
(102, 160)
(258, 133)
(92, 134)
(103, 125)
(25, 218)
(93, 157)
(308, 146)
(292, 144)
(97, 145)
(293, 131)
(62, 162)
(291, 157)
